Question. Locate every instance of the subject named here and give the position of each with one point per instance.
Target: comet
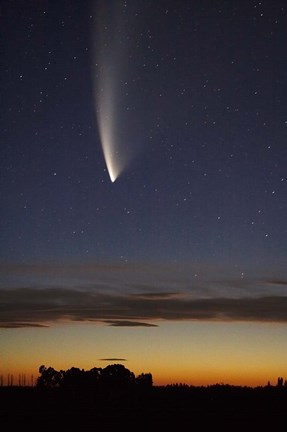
(111, 69)
(106, 119)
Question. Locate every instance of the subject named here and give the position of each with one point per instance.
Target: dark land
(139, 408)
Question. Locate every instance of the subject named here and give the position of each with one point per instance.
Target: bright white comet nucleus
(106, 126)
(115, 109)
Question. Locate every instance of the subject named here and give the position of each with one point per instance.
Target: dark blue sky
(208, 89)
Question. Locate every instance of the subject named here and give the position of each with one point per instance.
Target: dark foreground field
(176, 408)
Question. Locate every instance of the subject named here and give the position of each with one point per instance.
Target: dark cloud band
(26, 307)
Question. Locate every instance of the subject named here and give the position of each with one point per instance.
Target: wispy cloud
(24, 307)
(14, 325)
(125, 323)
(277, 282)
(113, 359)
(135, 295)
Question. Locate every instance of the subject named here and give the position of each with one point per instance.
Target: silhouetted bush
(114, 376)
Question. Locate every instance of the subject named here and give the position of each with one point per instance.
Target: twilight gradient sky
(178, 266)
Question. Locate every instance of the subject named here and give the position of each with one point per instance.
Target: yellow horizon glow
(175, 352)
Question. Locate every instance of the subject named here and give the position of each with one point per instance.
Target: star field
(205, 83)
(143, 188)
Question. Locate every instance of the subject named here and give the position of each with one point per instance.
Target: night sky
(198, 92)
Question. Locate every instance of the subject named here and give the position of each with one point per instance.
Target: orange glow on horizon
(28, 377)
(189, 353)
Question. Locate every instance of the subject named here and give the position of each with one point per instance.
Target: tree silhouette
(114, 377)
(73, 378)
(144, 379)
(94, 377)
(49, 378)
(117, 375)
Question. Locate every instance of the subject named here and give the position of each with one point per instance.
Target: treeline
(115, 375)
(113, 398)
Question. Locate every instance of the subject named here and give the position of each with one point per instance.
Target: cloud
(12, 325)
(156, 296)
(277, 282)
(26, 307)
(136, 295)
(122, 323)
(114, 359)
